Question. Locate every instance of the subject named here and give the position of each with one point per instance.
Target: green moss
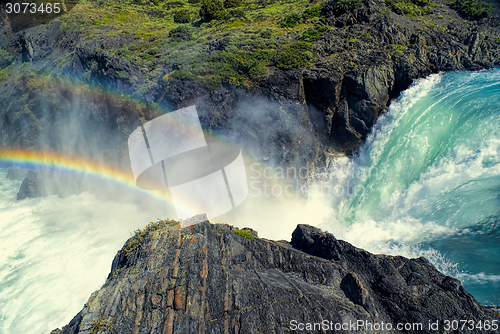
(244, 234)
(472, 9)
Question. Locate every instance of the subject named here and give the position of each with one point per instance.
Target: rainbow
(33, 159)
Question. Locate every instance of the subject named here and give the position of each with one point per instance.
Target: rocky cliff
(213, 278)
(292, 107)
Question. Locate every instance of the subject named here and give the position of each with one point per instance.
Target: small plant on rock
(244, 234)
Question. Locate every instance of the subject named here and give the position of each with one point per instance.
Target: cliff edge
(214, 278)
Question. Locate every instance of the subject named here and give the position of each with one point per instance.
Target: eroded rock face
(364, 58)
(207, 279)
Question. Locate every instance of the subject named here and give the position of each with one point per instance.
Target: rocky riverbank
(214, 278)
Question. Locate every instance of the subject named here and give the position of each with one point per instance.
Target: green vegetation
(212, 10)
(5, 73)
(182, 16)
(232, 3)
(366, 36)
(290, 20)
(99, 326)
(398, 50)
(472, 9)
(312, 12)
(340, 7)
(5, 58)
(497, 40)
(266, 34)
(138, 238)
(181, 33)
(412, 8)
(312, 34)
(244, 234)
(212, 42)
(294, 55)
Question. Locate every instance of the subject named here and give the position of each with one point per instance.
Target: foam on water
(54, 253)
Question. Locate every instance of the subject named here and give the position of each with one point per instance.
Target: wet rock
(32, 186)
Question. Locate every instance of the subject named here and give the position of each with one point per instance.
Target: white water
(54, 253)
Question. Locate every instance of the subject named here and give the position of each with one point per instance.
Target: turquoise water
(433, 186)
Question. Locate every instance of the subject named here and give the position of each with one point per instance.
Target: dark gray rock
(207, 279)
(32, 186)
(15, 174)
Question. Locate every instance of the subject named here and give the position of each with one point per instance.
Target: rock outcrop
(32, 186)
(213, 278)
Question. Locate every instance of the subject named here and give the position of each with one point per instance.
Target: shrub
(311, 12)
(194, 1)
(247, 64)
(232, 3)
(472, 9)
(180, 33)
(244, 234)
(172, 4)
(182, 16)
(266, 34)
(295, 55)
(181, 75)
(312, 34)
(290, 20)
(212, 10)
(497, 40)
(237, 12)
(339, 7)
(5, 58)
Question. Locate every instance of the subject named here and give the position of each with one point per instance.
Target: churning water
(427, 180)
